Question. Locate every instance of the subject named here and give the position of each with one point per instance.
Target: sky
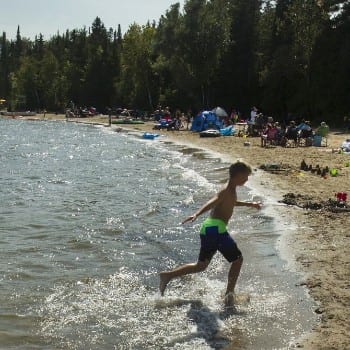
(51, 16)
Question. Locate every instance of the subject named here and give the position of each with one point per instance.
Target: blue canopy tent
(198, 122)
(206, 120)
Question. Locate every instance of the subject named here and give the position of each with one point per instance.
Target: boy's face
(240, 179)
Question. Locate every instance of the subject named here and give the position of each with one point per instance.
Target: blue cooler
(317, 141)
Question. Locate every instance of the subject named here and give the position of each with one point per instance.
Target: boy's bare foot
(229, 300)
(164, 280)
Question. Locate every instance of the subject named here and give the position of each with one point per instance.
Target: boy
(213, 234)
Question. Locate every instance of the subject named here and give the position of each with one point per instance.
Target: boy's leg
(230, 251)
(232, 280)
(167, 276)
(206, 253)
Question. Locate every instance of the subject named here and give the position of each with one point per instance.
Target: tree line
(285, 56)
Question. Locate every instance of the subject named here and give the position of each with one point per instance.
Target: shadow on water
(208, 325)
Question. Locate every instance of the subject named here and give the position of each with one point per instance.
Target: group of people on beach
(301, 134)
(175, 121)
(258, 125)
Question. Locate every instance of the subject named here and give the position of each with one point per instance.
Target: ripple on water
(95, 216)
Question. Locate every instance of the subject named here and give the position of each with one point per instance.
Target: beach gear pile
(209, 124)
(307, 202)
(345, 147)
(206, 120)
(228, 131)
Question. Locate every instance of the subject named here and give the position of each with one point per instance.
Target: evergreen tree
(18, 49)
(168, 66)
(137, 77)
(4, 67)
(331, 66)
(279, 79)
(238, 74)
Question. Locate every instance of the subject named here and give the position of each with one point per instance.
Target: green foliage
(136, 66)
(189, 47)
(236, 81)
(285, 56)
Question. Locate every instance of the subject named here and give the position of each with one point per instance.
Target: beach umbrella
(220, 112)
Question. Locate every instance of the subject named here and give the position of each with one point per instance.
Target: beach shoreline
(321, 244)
(321, 240)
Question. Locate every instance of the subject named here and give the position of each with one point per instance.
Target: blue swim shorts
(214, 237)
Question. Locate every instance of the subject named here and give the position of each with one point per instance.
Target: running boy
(213, 234)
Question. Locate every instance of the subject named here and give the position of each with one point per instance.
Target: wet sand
(321, 245)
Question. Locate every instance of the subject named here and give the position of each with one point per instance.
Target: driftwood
(307, 202)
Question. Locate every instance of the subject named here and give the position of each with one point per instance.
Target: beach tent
(198, 122)
(220, 112)
(206, 120)
(211, 121)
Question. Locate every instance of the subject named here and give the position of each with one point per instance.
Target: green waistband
(210, 222)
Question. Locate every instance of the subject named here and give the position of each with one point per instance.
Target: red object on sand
(341, 196)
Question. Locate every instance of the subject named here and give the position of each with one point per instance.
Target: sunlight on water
(90, 217)
(121, 311)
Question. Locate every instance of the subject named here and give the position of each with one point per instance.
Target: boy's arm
(207, 206)
(256, 205)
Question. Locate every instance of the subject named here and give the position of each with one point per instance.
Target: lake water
(88, 219)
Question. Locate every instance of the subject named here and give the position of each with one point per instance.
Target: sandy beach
(321, 245)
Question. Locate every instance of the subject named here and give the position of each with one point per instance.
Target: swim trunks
(214, 237)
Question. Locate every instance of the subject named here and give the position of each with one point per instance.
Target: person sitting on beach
(345, 147)
(305, 133)
(166, 113)
(174, 124)
(183, 121)
(279, 133)
(305, 129)
(322, 130)
(213, 234)
(268, 135)
(291, 133)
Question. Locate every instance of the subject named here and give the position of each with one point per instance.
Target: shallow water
(88, 219)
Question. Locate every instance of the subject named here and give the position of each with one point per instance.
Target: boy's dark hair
(239, 167)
